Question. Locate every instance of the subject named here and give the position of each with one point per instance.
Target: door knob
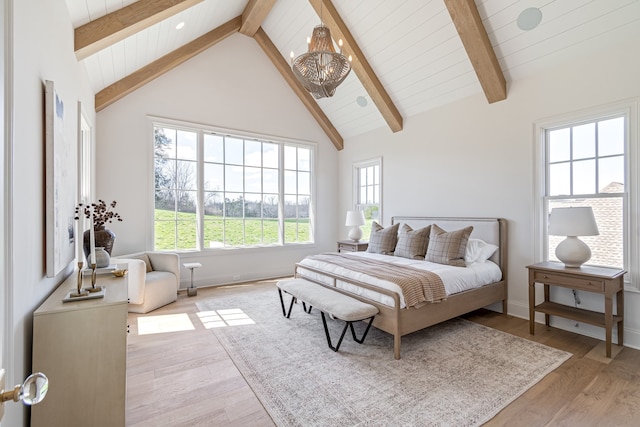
(32, 391)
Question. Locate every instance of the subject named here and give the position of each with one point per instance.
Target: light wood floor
(185, 378)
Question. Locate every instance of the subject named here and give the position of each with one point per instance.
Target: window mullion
(224, 190)
(200, 192)
(597, 156)
(281, 212)
(244, 191)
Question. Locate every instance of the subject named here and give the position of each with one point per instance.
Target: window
(586, 162)
(216, 190)
(368, 189)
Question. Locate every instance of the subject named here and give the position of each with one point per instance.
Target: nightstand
(351, 246)
(605, 281)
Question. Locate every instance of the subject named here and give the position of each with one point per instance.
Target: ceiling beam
(128, 84)
(285, 70)
(360, 65)
(466, 18)
(116, 26)
(254, 14)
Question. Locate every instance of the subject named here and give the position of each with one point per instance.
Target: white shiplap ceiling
(412, 45)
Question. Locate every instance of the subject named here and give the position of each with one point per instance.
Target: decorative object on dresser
(99, 215)
(601, 280)
(102, 257)
(354, 220)
(121, 270)
(351, 246)
(573, 222)
(378, 277)
(457, 373)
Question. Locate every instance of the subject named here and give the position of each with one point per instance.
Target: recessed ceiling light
(361, 101)
(529, 18)
(180, 25)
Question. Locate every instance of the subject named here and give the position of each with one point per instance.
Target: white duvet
(455, 279)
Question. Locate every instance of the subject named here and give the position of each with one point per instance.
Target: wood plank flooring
(185, 378)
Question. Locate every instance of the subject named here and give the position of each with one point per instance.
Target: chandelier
(321, 69)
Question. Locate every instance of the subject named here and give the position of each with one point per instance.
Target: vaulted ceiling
(409, 56)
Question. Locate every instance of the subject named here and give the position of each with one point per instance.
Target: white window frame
(357, 166)
(200, 130)
(85, 156)
(631, 199)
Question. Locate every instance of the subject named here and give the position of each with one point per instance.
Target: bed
(398, 318)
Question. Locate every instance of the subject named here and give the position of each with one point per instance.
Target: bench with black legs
(333, 303)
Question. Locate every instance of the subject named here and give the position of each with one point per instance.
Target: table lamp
(354, 220)
(573, 222)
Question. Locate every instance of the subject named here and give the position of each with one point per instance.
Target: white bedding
(455, 279)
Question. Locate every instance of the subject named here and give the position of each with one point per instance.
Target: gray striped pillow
(383, 240)
(412, 243)
(448, 247)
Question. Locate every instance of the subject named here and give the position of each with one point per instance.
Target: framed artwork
(60, 183)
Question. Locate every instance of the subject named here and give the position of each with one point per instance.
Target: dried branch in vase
(102, 213)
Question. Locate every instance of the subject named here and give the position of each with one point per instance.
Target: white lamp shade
(354, 218)
(573, 222)
(577, 221)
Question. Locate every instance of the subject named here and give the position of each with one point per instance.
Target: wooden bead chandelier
(321, 69)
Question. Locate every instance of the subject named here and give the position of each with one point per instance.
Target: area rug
(457, 373)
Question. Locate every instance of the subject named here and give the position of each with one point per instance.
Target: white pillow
(478, 251)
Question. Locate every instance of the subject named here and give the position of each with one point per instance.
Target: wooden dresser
(82, 348)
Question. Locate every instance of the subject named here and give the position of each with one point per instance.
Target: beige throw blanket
(418, 286)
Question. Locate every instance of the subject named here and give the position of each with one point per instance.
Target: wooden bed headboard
(491, 230)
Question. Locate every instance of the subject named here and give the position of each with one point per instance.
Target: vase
(104, 238)
(102, 257)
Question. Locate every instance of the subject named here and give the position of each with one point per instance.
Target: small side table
(608, 282)
(192, 290)
(352, 246)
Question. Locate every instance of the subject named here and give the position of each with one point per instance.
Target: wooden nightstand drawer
(351, 246)
(343, 247)
(590, 285)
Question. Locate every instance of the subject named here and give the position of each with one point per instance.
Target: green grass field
(172, 235)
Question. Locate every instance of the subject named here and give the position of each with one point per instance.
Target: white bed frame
(398, 321)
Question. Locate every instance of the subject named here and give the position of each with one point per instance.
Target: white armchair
(152, 283)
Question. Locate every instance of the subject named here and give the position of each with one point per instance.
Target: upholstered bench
(333, 303)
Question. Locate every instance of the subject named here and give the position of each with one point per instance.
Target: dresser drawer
(590, 285)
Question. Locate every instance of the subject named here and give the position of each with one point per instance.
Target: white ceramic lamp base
(573, 252)
(355, 233)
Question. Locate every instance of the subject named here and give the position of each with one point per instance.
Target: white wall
(232, 85)
(42, 50)
(471, 158)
